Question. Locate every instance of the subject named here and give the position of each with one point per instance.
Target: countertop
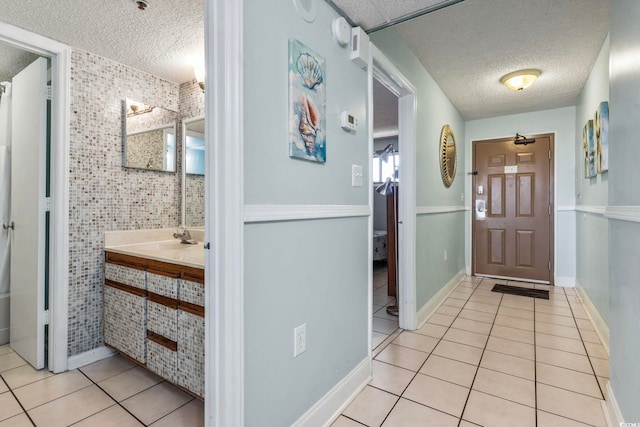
(157, 245)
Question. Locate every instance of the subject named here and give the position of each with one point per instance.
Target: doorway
(41, 326)
(383, 71)
(385, 165)
(513, 208)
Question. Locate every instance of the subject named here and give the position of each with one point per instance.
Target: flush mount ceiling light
(520, 80)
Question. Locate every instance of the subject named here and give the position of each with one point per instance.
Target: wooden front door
(512, 201)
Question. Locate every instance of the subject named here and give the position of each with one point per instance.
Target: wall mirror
(149, 136)
(193, 172)
(447, 155)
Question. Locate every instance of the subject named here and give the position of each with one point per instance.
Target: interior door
(512, 197)
(28, 159)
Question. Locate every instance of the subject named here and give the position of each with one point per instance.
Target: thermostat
(348, 121)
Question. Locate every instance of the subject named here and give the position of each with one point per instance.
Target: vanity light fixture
(520, 80)
(198, 70)
(135, 108)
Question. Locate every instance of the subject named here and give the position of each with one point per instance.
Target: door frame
(60, 56)
(224, 213)
(383, 70)
(552, 200)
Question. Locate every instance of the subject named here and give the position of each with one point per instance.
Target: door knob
(480, 209)
(6, 226)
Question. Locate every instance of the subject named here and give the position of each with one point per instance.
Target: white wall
(305, 271)
(560, 121)
(624, 179)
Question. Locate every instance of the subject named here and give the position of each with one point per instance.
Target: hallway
(490, 359)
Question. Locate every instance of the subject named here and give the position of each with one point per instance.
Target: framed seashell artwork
(307, 103)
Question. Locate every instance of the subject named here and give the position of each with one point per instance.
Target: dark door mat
(524, 292)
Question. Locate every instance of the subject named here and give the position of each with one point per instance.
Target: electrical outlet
(299, 339)
(445, 254)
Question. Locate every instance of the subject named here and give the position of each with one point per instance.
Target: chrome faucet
(185, 237)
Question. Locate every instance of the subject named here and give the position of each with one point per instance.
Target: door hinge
(549, 265)
(47, 204)
(49, 93)
(549, 210)
(549, 154)
(46, 317)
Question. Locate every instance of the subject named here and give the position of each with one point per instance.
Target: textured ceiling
(164, 40)
(468, 46)
(12, 61)
(372, 14)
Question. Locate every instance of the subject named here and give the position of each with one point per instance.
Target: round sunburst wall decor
(448, 157)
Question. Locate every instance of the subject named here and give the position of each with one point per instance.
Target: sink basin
(169, 245)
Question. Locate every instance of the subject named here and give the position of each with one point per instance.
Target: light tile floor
(384, 324)
(111, 392)
(492, 360)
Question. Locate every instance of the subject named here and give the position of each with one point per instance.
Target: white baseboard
(565, 281)
(612, 413)
(88, 357)
(434, 303)
(598, 322)
(326, 410)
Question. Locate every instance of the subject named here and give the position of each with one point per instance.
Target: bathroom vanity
(154, 304)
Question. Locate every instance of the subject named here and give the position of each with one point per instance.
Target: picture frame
(307, 103)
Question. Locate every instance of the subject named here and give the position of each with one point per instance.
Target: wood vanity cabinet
(154, 314)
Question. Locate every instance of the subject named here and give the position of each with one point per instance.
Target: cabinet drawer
(162, 319)
(125, 275)
(192, 292)
(162, 360)
(162, 284)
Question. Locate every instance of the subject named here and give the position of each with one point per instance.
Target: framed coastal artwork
(601, 129)
(307, 104)
(589, 146)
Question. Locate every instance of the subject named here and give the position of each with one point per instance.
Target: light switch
(356, 176)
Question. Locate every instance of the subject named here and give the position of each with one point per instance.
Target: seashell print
(309, 121)
(309, 70)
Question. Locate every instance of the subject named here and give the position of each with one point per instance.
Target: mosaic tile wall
(194, 204)
(103, 195)
(192, 105)
(146, 150)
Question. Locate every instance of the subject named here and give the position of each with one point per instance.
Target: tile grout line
(425, 361)
(52, 400)
(442, 339)
(562, 388)
(481, 356)
(352, 419)
(595, 376)
(24, 411)
(111, 397)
